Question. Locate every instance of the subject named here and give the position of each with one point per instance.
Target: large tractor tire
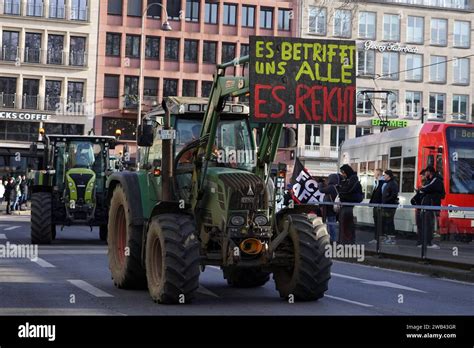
(124, 244)
(103, 232)
(308, 277)
(172, 259)
(246, 277)
(41, 218)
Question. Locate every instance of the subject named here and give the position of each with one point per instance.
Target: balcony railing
(32, 55)
(8, 100)
(30, 102)
(317, 151)
(78, 58)
(9, 53)
(12, 7)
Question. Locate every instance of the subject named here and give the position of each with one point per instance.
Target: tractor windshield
(84, 154)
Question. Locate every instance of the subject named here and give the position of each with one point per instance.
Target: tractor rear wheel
(41, 218)
(246, 277)
(124, 244)
(307, 276)
(172, 259)
(103, 232)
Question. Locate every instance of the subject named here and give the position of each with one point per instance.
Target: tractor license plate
(167, 134)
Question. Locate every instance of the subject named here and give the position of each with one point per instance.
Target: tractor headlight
(260, 220)
(237, 220)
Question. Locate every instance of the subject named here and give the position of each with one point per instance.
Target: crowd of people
(14, 191)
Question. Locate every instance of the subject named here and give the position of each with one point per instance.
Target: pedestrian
(23, 192)
(433, 192)
(376, 198)
(17, 196)
(389, 196)
(350, 191)
(10, 194)
(416, 200)
(330, 194)
(2, 191)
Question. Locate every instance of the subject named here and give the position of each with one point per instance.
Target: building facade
(180, 62)
(47, 73)
(420, 51)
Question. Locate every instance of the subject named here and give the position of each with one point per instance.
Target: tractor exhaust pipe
(251, 246)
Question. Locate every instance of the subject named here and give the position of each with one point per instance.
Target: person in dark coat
(10, 194)
(433, 192)
(330, 194)
(376, 198)
(416, 200)
(350, 191)
(389, 196)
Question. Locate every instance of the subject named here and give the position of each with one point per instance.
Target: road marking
(73, 252)
(89, 288)
(43, 263)
(205, 291)
(378, 283)
(11, 228)
(3, 236)
(348, 301)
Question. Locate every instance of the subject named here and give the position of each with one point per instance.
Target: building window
(460, 103)
(211, 13)
(266, 18)
(367, 25)
(12, 7)
(79, 10)
(437, 103)
(364, 107)
(390, 65)
(338, 135)
(113, 44)
(191, 50)
(52, 95)
(228, 52)
(248, 16)
(154, 11)
(132, 46)
(34, 8)
(8, 95)
(75, 92)
(361, 131)
(189, 88)
(174, 10)
(415, 29)
(170, 88)
(152, 48)
(135, 8)
(439, 32)
(131, 92)
(312, 135)
(462, 34)
(150, 87)
(32, 47)
(127, 126)
(64, 128)
(30, 94)
(317, 20)
(438, 69)
(111, 86)
(171, 49)
(77, 51)
(209, 52)
(366, 63)
(342, 23)
(391, 27)
(57, 9)
(230, 14)
(55, 49)
(206, 87)
(413, 104)
(192, 10)
(10, 45)
(388, 106)
(414, 67)
(18, 131)
(114, 7)
(284, 19)
(244, 50)
(461, 67)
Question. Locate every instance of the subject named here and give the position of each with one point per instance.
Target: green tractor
(202, 196)
(70, 189)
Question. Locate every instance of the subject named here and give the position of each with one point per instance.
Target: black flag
(305, 188)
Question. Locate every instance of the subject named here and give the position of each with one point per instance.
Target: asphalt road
(71, 277)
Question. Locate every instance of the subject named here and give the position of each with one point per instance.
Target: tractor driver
(83, 158)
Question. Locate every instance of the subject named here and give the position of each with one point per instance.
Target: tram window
(408, 177)
(384, 163)
(396, 151)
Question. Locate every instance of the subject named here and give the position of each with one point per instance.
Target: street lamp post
(165, 26)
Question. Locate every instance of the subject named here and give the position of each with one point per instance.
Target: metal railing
(32, 55)
(9, 53)
(55, 57)
(30, 102)
(8, 100)
(78, 58)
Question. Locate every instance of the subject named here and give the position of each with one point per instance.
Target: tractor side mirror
(145, 135)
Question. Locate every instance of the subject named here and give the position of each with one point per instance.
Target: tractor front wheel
(308, 270)
(172, 259)
(41, 218)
